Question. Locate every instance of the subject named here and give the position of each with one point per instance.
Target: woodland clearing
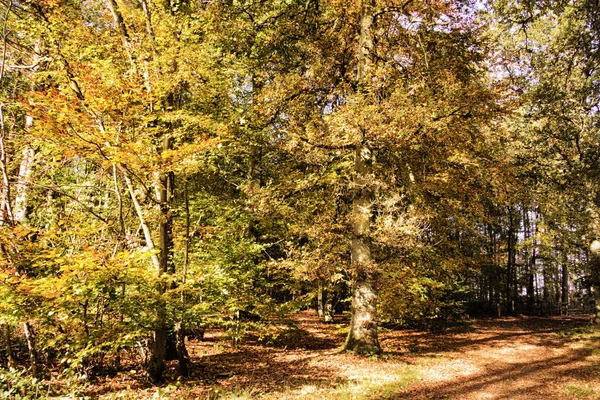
(501, 358)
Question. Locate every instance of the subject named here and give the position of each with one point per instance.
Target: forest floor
(505, 358)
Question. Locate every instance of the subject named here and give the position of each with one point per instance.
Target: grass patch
(369, 379)
(363, 388)
(581, 391)
(588, 332)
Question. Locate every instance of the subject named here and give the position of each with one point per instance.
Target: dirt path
(510, 358)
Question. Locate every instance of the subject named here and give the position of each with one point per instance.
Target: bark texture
(10, 356)
(595, 272)
(362, 336)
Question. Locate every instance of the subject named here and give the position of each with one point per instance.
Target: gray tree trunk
(362, 335)
(25, 169)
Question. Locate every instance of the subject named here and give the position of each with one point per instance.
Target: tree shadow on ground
(479, 384)
(291, 360)
(296, 337)
(268, 363)
(494, 333)
(251, 367)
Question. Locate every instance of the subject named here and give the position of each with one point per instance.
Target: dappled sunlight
(509, 358)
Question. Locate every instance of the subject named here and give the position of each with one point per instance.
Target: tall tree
(555, 66)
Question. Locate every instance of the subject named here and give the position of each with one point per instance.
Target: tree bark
(25, 168)
(509, 263)
(182, 353)
(10, 355)
(595, 274)
(362, 336)
(320, 303)
(324, 302)
(33, 356)
(165, 343)
(6, 215)
(564, 293)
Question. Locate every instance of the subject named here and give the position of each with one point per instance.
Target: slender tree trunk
(120, 24)
(324, 302)
(6, 215)
(25, 169)
(564, 293)
(10, 355)
(595, 273)
(140, 213)
(527, 258)
(164, 346)
(156, 363)
(509, 263)
(531, 269)
(320, 304)
(182, 353)
(33, 356)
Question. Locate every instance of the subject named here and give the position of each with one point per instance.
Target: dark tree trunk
(182, 353)
(167, 345)
(324, 302)
(10, 355)
(595, 273)
(564, 293)
(156, 365)
(508, 292)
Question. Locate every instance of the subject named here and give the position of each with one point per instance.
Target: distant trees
(551, 61)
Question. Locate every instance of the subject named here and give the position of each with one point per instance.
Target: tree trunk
(328, 311)
(25, 169)
(564, 293)
(509, 264)
(182, 353)
(156, 365)
(595, 274)
(33, 356)
(362, 336)
(6, 215)
(10, 355)
(165, 342)
(324, 302)
(320, 303)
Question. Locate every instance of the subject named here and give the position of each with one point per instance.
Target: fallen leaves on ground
(507, 358)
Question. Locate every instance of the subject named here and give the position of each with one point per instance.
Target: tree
(554, 45)
(368, 112)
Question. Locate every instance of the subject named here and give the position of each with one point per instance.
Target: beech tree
(372, 110)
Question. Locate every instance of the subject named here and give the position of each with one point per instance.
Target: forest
(172, 168)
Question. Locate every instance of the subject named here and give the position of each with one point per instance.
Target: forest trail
(508, 358)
